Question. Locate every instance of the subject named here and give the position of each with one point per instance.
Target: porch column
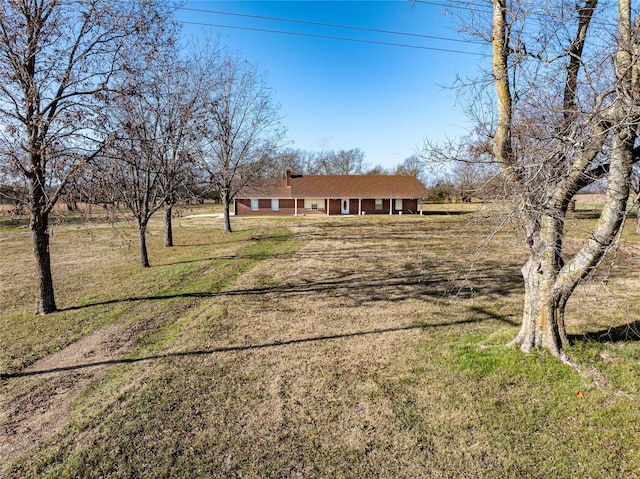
(327, 203)
(390, 206)
(359, 206)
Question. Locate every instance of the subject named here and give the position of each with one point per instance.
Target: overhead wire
(331, 37)
(331, 25)
(458, 4)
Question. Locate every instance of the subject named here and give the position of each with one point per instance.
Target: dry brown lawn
(374, 347)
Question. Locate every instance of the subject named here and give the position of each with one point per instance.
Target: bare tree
(242, 129)
(468, 163)
(567, 91)
(132, 174)
(414, 166)
(377, 170)
(329, 162)
(287, 158)
(308, 161)
(341, 162)
(152, 152)
(178, 103)
(57, 59)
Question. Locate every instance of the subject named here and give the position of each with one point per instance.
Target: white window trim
(398, 204)
(255, 204)
(275, 204)
(309, 204)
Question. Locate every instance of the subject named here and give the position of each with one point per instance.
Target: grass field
(350, 347)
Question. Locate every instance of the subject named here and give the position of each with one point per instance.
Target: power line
(462, 5)
(330, 37)
(332, 25)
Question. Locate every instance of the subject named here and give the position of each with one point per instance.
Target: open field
(311, 347)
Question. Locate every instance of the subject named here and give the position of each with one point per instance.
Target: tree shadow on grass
(484, 315)
(445, 213)
(618, 334)
(397, 288)
(488, 314)
(232, 257)
(585, 214)
(234, 240)
(338, 286)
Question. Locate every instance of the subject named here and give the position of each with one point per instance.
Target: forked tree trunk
(168, 230)
(548, 282)
(144, 257)
(45, 299)
(543, 312)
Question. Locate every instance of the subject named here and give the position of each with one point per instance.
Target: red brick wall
(287, 207)
(410, 207)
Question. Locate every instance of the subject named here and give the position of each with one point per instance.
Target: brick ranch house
(331, 195)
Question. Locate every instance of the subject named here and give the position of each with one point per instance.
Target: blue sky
(335, 94)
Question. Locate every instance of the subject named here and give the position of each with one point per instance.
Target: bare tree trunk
(637, 201)
(144, 257)
(71, 203)
(168, 230)
(45, 299)
(543, 312)
(227, 215)
(542, 321)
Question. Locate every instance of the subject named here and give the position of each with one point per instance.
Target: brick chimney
(289, 177)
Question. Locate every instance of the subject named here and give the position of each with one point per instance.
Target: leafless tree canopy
(241, 128)
(58, 61)
(325, 162)
(153, 126)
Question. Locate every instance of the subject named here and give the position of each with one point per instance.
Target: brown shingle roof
(337, 186)
(265, 189)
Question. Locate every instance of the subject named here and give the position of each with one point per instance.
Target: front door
(344, 208)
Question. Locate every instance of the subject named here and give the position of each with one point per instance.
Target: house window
(275, 204)
(254, 205)
(398, 203)
(378, 204)
(313, 204)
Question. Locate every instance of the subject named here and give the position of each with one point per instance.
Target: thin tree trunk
(637, 201)
(227, 215)
(45, 300)
(144, 257)
(168, 230)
